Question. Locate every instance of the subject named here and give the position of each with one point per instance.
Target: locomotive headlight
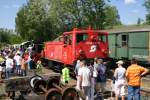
(103, 50)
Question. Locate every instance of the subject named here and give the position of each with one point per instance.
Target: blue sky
(129, 11)
(8, 11)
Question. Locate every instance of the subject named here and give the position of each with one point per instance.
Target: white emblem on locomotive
(93, 48)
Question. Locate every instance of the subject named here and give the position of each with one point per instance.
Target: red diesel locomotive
(79, 43)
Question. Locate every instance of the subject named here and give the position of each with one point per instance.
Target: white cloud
(15, 6)
(130, 1)
(135, 11)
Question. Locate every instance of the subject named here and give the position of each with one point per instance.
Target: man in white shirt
(17, 59)
(85, 79)
(9, 66)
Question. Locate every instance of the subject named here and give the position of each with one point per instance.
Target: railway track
(145, 88)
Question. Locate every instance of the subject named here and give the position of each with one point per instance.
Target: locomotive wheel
(53, 94)
(51, 81)
(34, 79)
(70, 94)
(3, 75)
(37, 89)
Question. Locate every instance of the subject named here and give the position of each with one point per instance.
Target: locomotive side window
(68, 39)
(102, 37)
(124, 40)
(81, 37)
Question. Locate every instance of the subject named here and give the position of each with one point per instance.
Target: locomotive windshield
(102, 37)
(81, 37)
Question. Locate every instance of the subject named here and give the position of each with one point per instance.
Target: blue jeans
(18, 68)
(134, 93)
(8, 72)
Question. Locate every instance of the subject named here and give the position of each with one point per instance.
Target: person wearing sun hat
(120, 80)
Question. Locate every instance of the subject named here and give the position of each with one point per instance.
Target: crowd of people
(91, 75)
(17, 61)
(91, 79)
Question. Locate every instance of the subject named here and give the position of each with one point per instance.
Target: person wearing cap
(120, 80)
(134, 74)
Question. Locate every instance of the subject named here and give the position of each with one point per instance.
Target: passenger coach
(130, 42)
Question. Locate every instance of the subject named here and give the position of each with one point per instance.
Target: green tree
(32, 22)
(112, 17)
(139, 21)
(5, 35)
(16, 39)
(82, 13)
(45, 19)
(9, 37)
(147, 5)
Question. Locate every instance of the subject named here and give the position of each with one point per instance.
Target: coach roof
(130, 28)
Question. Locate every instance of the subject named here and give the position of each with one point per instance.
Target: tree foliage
(4, 35)
(43, 19)
(139, 21)
(147, 5)
(32, 22)
(9, 37)
(82, 13)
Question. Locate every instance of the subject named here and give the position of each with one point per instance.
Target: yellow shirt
(133, 74)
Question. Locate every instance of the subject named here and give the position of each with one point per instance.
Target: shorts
(119, 88)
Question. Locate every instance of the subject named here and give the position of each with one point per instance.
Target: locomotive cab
(80, 44)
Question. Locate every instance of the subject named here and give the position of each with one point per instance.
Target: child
(23, 67)
(65, 75)
(39, 66)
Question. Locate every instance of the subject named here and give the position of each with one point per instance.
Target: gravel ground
(33, 96)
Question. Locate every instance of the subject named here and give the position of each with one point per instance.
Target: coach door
(122, 45)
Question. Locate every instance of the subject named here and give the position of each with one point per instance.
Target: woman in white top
(120, 80)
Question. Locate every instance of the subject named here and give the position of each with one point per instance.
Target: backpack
(101, 77)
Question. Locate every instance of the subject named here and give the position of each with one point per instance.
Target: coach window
(124, 40)
(102, 37)
(81, 37)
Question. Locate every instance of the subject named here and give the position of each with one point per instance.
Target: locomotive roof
(130, 28)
